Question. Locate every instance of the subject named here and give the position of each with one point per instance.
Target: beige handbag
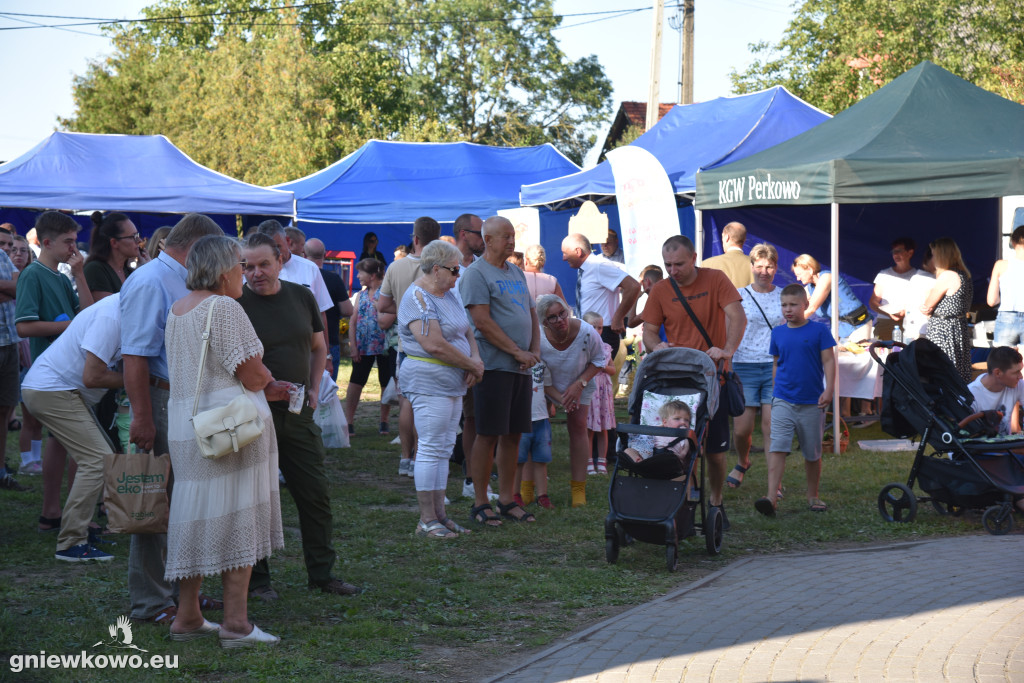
(227, 428)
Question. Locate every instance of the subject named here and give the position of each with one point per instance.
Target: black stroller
(648, 501)
(969, 466)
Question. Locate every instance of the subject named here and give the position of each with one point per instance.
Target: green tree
(835, 52)
(269, 96)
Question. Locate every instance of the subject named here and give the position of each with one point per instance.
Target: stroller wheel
(713, 531)
(672, 557)
(997, 520)
(897, 503)
(947, 508)
(611, 549)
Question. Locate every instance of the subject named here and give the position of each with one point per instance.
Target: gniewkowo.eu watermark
(120, 639)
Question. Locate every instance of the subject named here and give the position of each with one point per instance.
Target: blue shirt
(146, 299)
(799, 373)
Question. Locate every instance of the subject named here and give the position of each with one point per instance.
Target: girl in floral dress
(601, 418)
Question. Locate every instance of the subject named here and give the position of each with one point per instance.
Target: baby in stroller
(674, 414)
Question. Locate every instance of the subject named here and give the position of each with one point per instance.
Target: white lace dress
(225, 513)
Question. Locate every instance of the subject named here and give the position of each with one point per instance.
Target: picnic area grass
(430, 610)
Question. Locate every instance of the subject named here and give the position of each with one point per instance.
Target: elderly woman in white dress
(225, 513)
(571, 348)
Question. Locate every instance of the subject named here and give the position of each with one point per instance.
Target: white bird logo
(121, 635)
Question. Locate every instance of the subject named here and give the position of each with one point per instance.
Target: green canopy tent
(926, 136)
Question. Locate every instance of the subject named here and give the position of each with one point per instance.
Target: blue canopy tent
(131, 173)
(686, 139)
(384, 186)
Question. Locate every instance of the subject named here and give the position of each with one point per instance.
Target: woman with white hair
(441, 361)
(572, 351)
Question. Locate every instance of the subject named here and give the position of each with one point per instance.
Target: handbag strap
(754, 299)
(682, 300)
(202, 356)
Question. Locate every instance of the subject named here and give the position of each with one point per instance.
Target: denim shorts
(1009, 330)
(757, 383)
(535, 446)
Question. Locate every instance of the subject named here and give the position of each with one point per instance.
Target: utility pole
(682, 21)
(654, 93)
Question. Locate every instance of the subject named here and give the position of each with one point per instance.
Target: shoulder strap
(682, 300)
(202, 357)
(754, 299)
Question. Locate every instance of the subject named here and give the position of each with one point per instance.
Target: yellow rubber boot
(526, 491)
(579, 493)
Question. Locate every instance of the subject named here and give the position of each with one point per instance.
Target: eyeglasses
(475, 232)
(552, 319)
(898, 250)
(134, 236)
(454, 270)
(244, 264)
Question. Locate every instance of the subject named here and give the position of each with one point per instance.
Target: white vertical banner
(647, 206)
(526, 221)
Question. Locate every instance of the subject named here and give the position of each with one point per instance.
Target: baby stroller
(648, 500)
(969, 465)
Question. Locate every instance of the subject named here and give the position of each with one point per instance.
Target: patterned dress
(602, 404)
(948, 326)
(225, 513)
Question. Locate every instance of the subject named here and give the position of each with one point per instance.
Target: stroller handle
(651, 430)
(888, 344)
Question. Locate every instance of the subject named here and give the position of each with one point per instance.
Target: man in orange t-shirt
(716, 303)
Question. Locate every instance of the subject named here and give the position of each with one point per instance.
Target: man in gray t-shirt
(504, 320)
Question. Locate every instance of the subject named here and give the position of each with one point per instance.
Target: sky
(39, 63)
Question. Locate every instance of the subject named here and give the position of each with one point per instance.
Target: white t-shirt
(302, 271)
(895, 289)
(599, 286)
(97, 329)
(915, 324)
(541, 378)
(757, 336)
(995, 400)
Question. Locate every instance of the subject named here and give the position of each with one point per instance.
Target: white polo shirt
(599, 286)
(302, 271)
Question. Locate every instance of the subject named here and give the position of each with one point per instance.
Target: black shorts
(10, 370)
(502, 402)
(611, 338)
(361, 370)
(718, 431)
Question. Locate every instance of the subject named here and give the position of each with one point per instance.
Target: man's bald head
(495, 223)
(315, 251)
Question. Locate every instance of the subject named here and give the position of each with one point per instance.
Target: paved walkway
(948, 609)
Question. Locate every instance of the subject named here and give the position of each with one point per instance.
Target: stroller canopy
(660, 370)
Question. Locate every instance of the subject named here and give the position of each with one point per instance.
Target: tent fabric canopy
(82, 171)
(927, 135)
(691, 137)
(397, 182)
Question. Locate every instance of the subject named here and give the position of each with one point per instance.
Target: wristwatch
(583, 383)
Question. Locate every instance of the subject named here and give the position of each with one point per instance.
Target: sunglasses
(552, 319)
(454, 270)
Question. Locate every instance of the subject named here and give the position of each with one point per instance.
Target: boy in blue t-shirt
(803, 354)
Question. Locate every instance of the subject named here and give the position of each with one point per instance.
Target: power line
(183, 19)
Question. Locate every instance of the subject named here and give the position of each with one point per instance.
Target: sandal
(478, 515)
(452, 525)
(765, 506)
(545, 502)
(52, 524)
(14, 425)
(732, 481)
(385, 428)
(208, 603)
(507, 508)
(435, 530)
(818, 505)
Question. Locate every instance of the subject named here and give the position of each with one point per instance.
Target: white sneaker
(34, 467)
(469, 492)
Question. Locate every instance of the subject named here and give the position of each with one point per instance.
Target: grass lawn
(430, 610)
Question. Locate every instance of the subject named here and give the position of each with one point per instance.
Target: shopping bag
(390, 394)
(135, 493)
(330, 416)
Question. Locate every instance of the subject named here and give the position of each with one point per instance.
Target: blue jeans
(1009, 330)
(335, 358)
